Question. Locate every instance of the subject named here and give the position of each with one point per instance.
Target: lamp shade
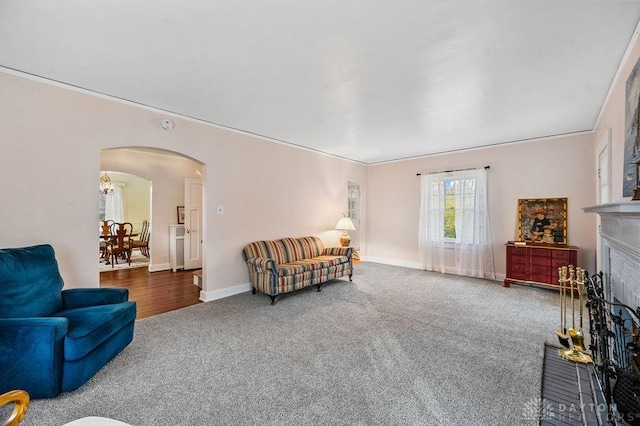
(345, 224)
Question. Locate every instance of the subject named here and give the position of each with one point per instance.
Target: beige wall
(613, 118)
(560, 167)
(52, 137)
(136, 197)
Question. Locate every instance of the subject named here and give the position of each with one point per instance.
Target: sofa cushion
(89, 327)
(320, 262)
(30, 282)
(313, 264)
(286, 269)
(302, 248)
(267, 249)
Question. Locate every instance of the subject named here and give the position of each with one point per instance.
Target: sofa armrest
(31, 355)
(338, 251)
(83, 297)
(263, 264)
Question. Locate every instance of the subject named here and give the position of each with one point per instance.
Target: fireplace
(620, 250)
(613, 298)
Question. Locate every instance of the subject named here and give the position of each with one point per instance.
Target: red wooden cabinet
(538, 264)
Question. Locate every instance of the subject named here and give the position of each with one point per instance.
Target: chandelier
(106, 187)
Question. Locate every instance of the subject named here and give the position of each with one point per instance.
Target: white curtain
(431, 225)
(113, 209)
(470, 252)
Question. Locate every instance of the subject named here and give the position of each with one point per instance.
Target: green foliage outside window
(449, 212)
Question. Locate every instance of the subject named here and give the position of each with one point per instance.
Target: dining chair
(143, 242)
(105, 231)
(120, 244)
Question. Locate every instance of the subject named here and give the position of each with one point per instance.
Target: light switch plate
(220, 210)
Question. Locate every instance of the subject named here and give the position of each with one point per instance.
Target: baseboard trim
(393, 262)
(209, 296)
(159, 267)
(416, 265)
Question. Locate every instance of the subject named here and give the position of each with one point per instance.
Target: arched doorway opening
(167, 171)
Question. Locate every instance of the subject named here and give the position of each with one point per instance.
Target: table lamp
(345, 225)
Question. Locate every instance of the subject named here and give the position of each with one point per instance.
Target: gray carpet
(396, 346)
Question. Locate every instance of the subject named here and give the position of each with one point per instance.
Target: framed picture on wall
(180, 214)
(542, 220)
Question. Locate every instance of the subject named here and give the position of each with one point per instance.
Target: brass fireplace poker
(562, 333)
(576, 279)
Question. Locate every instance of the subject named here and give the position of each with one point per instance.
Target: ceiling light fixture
(106, 187)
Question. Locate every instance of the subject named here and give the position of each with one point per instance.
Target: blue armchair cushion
(30, 282)
(82, 297)
(91, 326)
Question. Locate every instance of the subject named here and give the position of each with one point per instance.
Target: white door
(192, 224)
(604, 172)
(603, 185)
(353, 211)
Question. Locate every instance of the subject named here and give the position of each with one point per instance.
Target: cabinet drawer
(556, 263)
(537, 269)
(541, 261)
(518, 268)
(518, 259)
(561, 254)
(540, 252)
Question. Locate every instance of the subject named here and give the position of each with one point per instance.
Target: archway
(167, 171)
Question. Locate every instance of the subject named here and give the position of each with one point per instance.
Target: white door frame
(603, 186)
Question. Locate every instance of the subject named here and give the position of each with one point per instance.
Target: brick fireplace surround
(620, 249)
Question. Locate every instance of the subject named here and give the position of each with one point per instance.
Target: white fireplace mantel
(630, 207)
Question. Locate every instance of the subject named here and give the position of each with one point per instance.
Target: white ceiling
(368, 80)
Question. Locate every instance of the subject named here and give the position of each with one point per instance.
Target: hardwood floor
(154, 292)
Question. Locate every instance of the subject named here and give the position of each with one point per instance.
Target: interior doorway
(167, 170)
(353, 212)
(603, 185)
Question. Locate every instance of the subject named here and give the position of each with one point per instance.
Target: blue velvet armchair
(54, 340)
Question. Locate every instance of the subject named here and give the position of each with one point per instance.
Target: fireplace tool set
(572, 281)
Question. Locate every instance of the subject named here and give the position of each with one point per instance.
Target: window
(449, 210)
(454, 215)
(110, 207)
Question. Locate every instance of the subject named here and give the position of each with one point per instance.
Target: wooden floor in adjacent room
(154, 292)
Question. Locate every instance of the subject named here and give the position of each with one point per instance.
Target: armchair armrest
(263, 264)
(83, 297)
(338, 251)
(31, 354)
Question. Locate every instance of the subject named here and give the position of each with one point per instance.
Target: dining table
(104, 257)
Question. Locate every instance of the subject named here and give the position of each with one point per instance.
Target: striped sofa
(288, 264)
